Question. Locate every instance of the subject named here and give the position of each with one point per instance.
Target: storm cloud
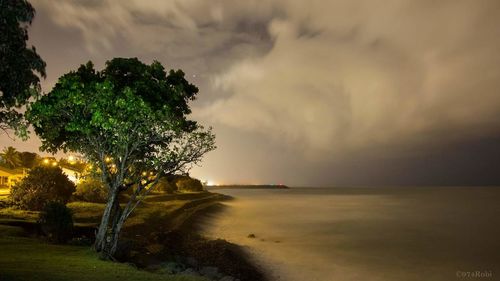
(311, 92)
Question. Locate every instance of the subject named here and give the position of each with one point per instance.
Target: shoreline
(178, 247)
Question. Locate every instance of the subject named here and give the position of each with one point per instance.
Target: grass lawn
(29, 259)
(16, 214)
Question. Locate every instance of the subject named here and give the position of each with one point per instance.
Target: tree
(10, 157)
(40, 186)
(187, 184)
(29, 159)
(130, 121)
(18, 63)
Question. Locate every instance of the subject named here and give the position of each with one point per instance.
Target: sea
(376, 233)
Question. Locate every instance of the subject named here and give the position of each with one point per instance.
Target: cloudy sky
(311, 92)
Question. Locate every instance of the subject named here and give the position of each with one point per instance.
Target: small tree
(29, 159)
(130, 121)
(18, 63)
(40, 186)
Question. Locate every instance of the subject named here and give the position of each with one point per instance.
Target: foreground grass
(27, 259)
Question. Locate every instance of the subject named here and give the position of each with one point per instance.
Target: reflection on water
(306, 234)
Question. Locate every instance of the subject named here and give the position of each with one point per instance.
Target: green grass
(86, 212)
(27, 259)
(13, 213)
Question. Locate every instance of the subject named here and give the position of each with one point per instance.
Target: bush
(91, 190)
(187, 184)
(41, 185)
(164, 185)
(56, 221)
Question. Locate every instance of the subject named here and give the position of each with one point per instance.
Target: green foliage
(40, 186)
(91, 190)
(18, 63)
(164, 185)
(131, 113)
(126, 102)
(187, 184)
(57, 222)
(10, 158)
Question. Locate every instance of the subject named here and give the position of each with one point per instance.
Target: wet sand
(399, 234)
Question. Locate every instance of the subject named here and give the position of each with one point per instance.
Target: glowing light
(45, 161)
(71, 158)
(54, 163)
(107, 159)
(144, 173)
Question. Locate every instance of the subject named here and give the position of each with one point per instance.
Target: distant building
(9, 177)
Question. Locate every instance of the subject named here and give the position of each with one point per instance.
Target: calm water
(306, 234)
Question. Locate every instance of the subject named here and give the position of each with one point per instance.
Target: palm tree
(10, 157)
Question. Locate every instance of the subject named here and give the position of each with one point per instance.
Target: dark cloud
(350, 92)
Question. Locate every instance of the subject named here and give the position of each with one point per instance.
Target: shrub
(188, 184)
(56, 221)
(41, 185)
(91, 190)
(164, 185)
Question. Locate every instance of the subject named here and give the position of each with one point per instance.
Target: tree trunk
(115, 227)
(107, 217)
(116, 234)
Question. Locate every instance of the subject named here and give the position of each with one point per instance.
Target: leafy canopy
(18, 63)
(129, 117)
(10, 158)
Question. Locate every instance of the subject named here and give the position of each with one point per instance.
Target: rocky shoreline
(177, 247)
